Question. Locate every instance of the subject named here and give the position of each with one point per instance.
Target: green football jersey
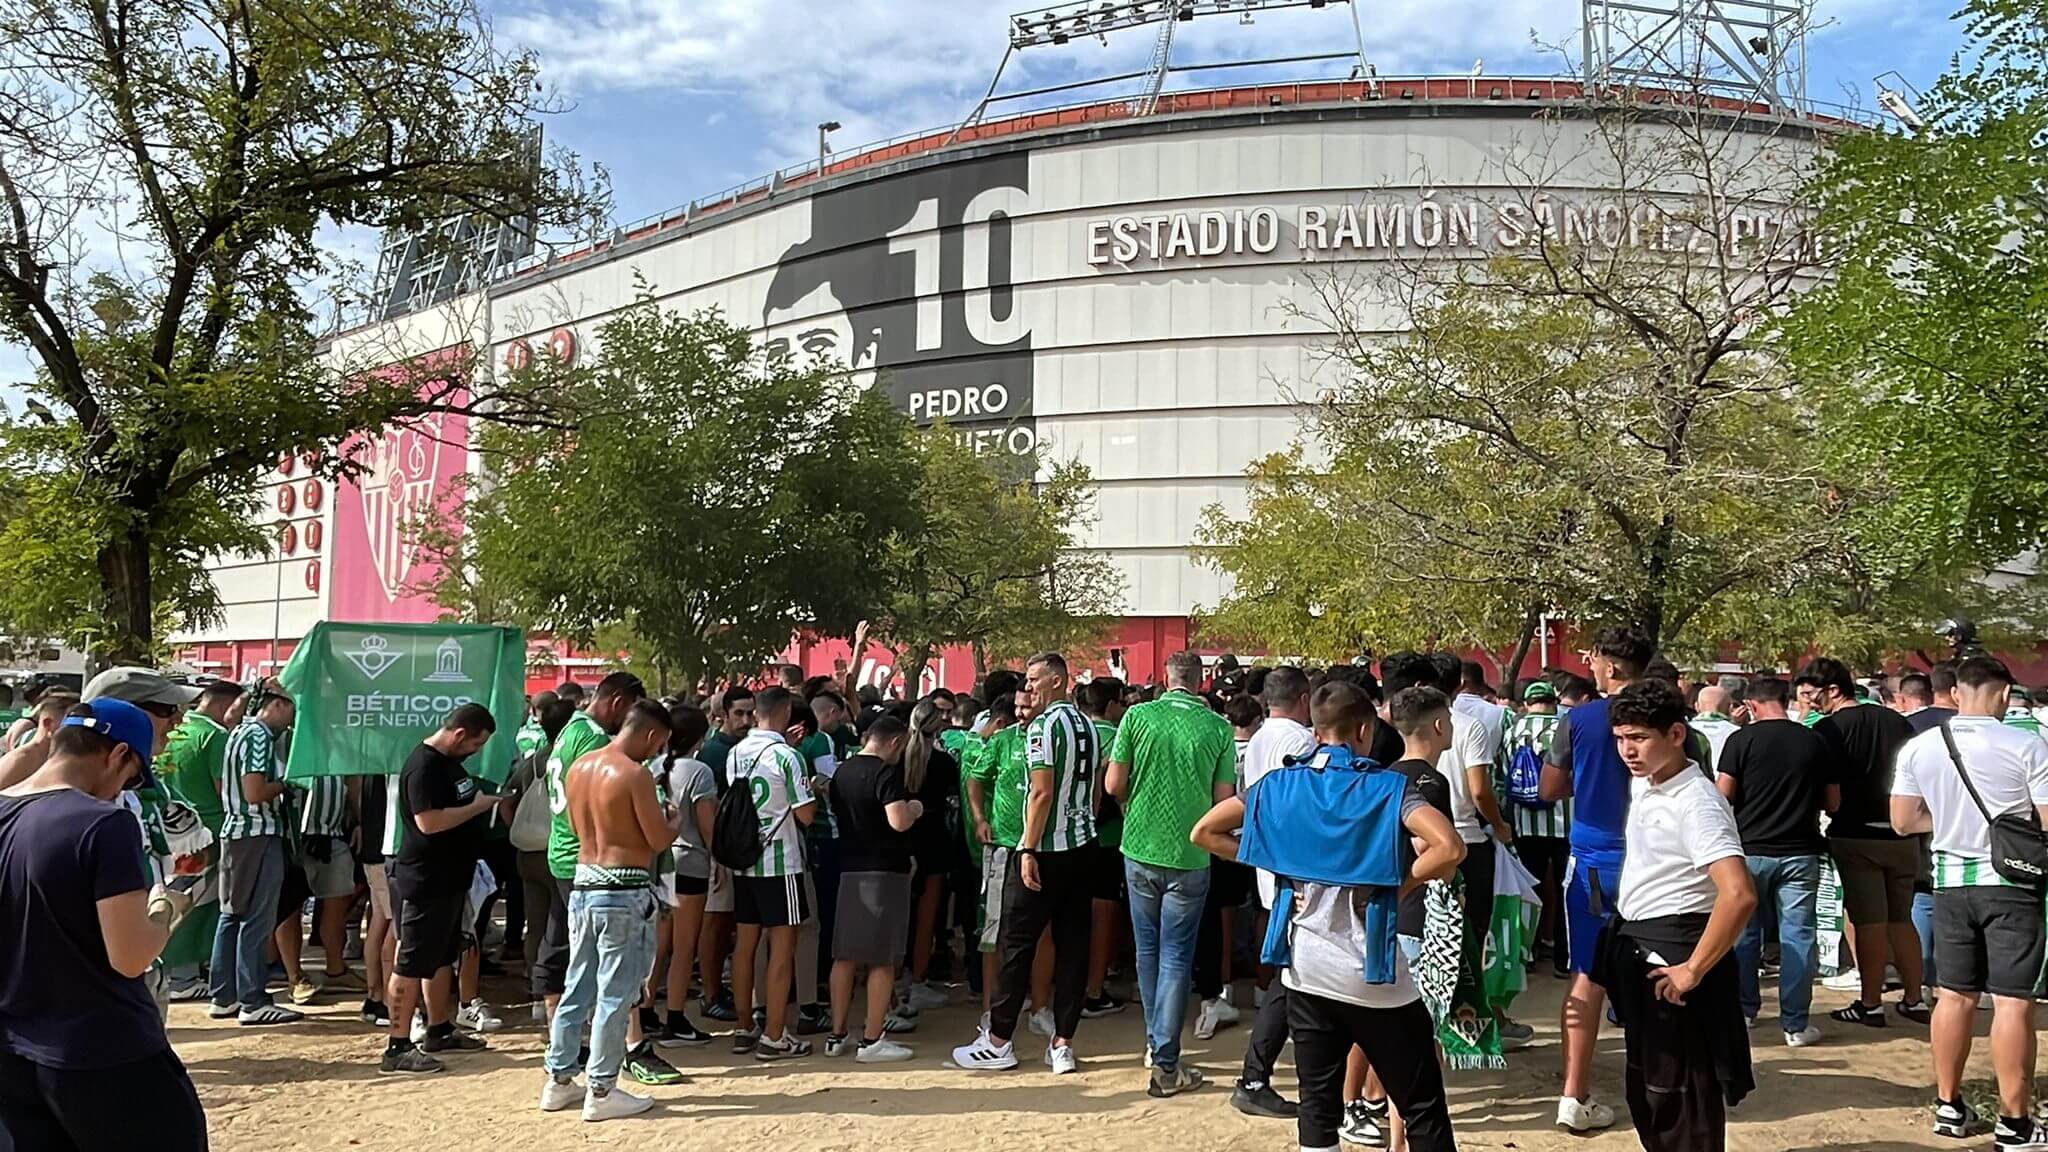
(580, 736)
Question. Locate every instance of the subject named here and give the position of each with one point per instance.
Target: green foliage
(1928, 345)
(711, 500)
(988, 560)
(217, 142)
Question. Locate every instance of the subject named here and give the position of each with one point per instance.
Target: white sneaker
(984, 1056)
(1060, 1058)
(555, 1095)
(1042, 1023)
(419, 1027)
(883, 1051)
(837, 1046)
(1849, 980)
(1226, 1009)
(614, 1104)
(1583, 1115)
(1805, 1039)
(924, 996)
(1209, 1018)
(477, 1016)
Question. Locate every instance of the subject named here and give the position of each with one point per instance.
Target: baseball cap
(123, 723)
(1539, 690)
(140, 686)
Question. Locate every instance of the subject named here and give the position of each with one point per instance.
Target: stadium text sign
(1428, 222)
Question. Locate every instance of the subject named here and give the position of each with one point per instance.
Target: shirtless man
(621, 825)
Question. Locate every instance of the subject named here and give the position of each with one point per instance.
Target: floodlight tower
(1750, 49)
(1063, 23)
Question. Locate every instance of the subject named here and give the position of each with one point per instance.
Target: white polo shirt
(1675, 830)
(1276, 740)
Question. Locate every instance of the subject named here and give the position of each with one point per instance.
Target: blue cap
(123, 723)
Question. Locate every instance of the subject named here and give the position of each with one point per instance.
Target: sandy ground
(315, 1086)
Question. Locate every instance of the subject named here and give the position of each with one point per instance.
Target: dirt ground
(315, 1086)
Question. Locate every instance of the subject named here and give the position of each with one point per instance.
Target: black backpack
(736, 831)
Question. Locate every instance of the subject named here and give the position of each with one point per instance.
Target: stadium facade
(1143, 293)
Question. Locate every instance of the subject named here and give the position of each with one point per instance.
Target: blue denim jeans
(239, 971)
(1166, 916)
(1787, 887)
(611, 951)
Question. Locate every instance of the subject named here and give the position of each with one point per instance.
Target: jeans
(1166, 916)
(1923, 923)
(238, 972)
(1789, 888)
(611, 951)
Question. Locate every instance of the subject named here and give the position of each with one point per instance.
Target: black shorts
(1988, 939)
(770, 901)
(1230, 883)
(1106, 873)
(431, 933)
(692, 885)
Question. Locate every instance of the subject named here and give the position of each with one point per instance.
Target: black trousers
(1477, 869)
(1063, 901)
(503, 861)
(1229, 885)
(1401, 1046)
(1544, 857)
(1269, 1035)
(64, 1110)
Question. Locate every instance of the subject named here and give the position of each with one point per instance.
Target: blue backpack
(1525, 776)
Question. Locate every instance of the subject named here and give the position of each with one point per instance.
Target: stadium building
(1129, 282)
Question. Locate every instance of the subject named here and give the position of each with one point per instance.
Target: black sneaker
(650, 1021)
(680, 1033)
(453, 1042)
(1096, 1007)
(375, 1014)
(719, 1009)
(1868, 1015)
(410, 1062)
(1917, 1011)
(644, 1065)
(1263, 1101)
(1953, 1119)
(743, 1042)
(812, 1020)
(787, 1048)
(1363, 1125)
(2017, 1133)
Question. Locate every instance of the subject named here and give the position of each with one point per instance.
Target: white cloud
(883, 67)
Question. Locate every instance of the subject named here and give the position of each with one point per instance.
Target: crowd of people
(803, 865)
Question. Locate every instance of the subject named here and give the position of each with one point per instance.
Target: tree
(1927, 345)
(1591, 421)
(710, 499)
(166, 172)
(989, 560)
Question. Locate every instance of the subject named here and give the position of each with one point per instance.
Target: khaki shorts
(718, 898)
(380, 890)
(334, 877)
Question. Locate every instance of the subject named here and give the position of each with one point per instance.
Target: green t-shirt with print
(1177, 750)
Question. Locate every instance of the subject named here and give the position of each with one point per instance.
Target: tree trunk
(1513, 671)
(124, 575)
(980, 661)
(915, 659)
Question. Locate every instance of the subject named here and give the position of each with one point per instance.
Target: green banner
(367, 694)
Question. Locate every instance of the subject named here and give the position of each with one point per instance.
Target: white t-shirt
(1675, 830)
(1276, 740)
(1493, 722)
(2008, 765)
(1469, 748)
(1328, 928)
(1717, 730)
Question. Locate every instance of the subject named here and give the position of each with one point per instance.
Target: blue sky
(681, 98)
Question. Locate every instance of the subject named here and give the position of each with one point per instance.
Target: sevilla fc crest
(398, 492)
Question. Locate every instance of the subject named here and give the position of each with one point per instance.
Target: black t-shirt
(1429, 783)
(1386, 744)
(62, 1005)
(861, 790)
(1929, 717)
(374, 795)
(1781, 772)
(440, 864)
(940, 795)
(1864, 740)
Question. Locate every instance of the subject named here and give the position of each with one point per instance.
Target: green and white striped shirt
(394, 820)
(775, 774)
(1956, 871)
(251, 751)
(1536, 729)
(323, 807)
(1063, 741)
